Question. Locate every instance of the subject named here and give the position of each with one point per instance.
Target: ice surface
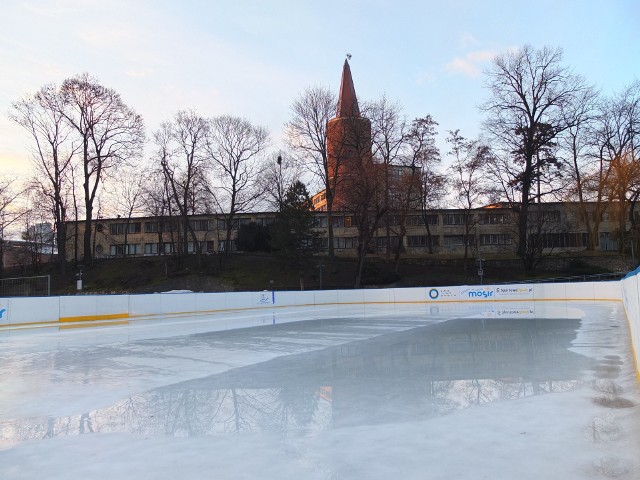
(497, 391)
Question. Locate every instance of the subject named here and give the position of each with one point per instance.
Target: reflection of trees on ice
(190, 413)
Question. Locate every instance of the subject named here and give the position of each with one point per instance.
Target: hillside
(244, 272)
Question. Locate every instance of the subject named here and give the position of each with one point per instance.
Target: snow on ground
(497, 391)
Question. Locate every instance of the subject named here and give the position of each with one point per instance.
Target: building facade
(444, 233)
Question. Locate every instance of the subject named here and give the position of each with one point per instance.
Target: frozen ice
(497, 391)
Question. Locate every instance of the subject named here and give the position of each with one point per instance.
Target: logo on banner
(267, 298)
(442, 293)
(3, 313)
(482, 293)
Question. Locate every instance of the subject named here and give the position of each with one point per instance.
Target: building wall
(491, 233)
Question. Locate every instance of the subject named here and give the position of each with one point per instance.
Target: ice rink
(529, 391)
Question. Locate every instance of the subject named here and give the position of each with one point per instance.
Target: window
(222, 245)
(199, 225)
(150, 248)
(382, 242)
(457, 240)
(238, 222)
(121, 228)
(121, 249)
(422, 240)
(151, 227)
(345, 242)
(494, 218)
(337, 221)
(454, 218)
(167, 247)
(417, 220)
(320, 222)
(562, 240)
(495, 239)
(192, 246)
(170, 226)
(265, 221)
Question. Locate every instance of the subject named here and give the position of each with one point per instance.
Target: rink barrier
(631, 300)
(89, 309)
(120, 310)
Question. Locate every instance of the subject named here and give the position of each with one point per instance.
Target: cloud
(424, 78)
(467, 40)
(138, 73)
(470, 65)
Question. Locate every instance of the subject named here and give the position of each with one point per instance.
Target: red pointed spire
(347, 101)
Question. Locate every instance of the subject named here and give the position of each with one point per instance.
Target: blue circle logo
(433, 293)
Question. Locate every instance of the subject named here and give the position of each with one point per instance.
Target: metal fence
(599, 277)
(26, 286)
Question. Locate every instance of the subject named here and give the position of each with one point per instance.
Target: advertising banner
(514, 292)
(477, 292)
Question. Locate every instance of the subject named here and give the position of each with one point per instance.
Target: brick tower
(348, 141)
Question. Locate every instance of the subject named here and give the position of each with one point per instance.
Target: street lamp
(280, 183)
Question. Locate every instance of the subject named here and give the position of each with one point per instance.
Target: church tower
(348, 140)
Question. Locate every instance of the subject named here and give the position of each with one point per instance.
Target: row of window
(549, 240)
(562, 240)
(338, 221)
(174, 226)
(164, 248)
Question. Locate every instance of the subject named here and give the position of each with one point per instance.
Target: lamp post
(280, 182)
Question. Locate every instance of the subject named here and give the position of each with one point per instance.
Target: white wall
(302, 305)
(631, 300)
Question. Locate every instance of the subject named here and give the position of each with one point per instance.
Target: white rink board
(265, 306)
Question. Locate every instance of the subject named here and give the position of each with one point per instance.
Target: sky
(252, 59)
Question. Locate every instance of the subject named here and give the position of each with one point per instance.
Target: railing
(599, 277)
(26, 286)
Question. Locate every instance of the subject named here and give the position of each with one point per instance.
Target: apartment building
(491, 230)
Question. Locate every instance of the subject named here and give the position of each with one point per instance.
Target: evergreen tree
(292, 235)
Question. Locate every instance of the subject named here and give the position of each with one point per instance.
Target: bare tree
(110, 134)
(423, 155)
(37, 233)
(157, 201)
(468, 160)
(389, 141)
(530, 89)
(126, 197)
(11, 212)
(617, 149)
(54, 148)
(575, 145)
(306, 135)
(235, 147)
(280, 171)
(182, 156)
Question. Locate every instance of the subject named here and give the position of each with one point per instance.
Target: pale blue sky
(251, 58)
